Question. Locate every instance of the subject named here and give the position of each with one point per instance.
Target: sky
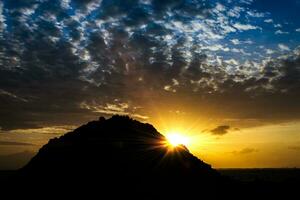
(226, 73)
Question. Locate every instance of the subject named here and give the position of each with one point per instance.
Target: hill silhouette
(121, 156)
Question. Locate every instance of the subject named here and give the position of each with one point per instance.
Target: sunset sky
(224, 73)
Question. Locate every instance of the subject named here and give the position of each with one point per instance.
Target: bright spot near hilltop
(176, 139)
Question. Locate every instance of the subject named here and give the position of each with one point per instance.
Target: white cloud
(280, 32)
(248, 2)
(219, 60)
(268, 20)
(146, 2)
(216, 47)
(235, 12)
(115, 108)
(93, 5)
(232, 62)
(235, 50)
(235, 41)
(2, 18)
(220, 7)
(283, 47)
(245, 27)
(227, 29)
(169, 88)
(269, 51)
(255, 14)
(202, 28)
(65, 4)
(298, 29)
(205, 29)
(249, 42)
(277, 25)
(175, 82)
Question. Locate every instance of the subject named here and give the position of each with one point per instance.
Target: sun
(176, 139)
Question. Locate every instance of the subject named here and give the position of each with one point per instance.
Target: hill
(121, 156)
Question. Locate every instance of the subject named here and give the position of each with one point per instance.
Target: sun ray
(176, 139)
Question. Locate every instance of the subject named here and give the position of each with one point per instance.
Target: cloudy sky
(224, 71)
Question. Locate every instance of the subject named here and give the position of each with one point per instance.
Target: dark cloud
(220, 130)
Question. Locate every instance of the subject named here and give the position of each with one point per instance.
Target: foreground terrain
(123, 158)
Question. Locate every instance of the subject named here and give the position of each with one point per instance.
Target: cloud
(280, 32)
(235, 12)
(11, 95)
(268, 20)
(245, 151)
(277, 25)
(116, 108)
(298, 30)
(65, 4)
(220, 130)
(244, 27)
(11, 143)
(235, 41)
(51, 130)
(255, 14)
(246, 1)
(270, 51)
(283, 47)
(169, 88)
(216, 47)
(220, 7)
(66, 62)
(2, 19)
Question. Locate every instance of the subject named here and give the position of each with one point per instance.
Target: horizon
(222, 76)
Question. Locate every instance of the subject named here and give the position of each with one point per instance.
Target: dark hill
(121, 156)
(121, 145)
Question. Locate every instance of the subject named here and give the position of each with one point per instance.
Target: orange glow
(176, 139)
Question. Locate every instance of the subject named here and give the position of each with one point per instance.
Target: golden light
(176, 139)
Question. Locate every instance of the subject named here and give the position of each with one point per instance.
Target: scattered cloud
(244, 27)
(255, 14)
(280, 32)
(270, 51)
(283, 47)
(116, 108)
(216, 47)
(169, 88)
(220, 130)
(235, 41)
(268, 20)
(66, 61)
